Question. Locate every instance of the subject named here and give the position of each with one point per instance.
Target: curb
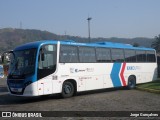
(148, 90)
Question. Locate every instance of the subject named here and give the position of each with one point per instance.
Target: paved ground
(104, 100)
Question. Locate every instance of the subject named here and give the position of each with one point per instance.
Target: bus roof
(106, 45)
(71, 42)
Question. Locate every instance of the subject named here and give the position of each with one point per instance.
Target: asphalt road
(103, 100)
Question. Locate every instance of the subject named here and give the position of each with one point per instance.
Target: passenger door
(46, 67)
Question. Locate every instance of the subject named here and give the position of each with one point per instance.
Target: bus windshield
(23, 62)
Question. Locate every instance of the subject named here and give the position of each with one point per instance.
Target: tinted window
(68, 54)
(130, 55)
(49, 61)
(87, 54)
(141, 56)
(103, 55)
(117, 55)
(151, 56)
(23, 62)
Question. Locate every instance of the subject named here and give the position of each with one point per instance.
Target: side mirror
(3, 57)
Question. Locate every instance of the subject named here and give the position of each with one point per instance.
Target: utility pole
(89, 36)
(65, 35)
(20, 25)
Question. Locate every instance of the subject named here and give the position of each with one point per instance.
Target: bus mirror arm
(2, 58)
(42, 57)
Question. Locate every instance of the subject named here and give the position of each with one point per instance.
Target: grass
(154, 85)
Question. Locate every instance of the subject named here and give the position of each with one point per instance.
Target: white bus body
(86, 76)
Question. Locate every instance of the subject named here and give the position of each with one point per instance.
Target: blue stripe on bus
(115, 74)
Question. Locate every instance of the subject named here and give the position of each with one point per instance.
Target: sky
(110, 18)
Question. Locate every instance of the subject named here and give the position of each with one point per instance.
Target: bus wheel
(131, 82)
(67, 89)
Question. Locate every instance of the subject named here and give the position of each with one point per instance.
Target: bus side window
(68, 54)
(151, 56)
(117, 55)
(103, 54)
(87, 54)
(141, 55)
(130, 55)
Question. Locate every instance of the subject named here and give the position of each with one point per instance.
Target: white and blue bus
(67, 67)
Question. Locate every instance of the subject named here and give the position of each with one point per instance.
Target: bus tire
(67, 89)
(131, 82)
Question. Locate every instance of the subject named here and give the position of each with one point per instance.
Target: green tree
(156, 43)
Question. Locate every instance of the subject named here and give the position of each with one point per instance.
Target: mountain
(10, 38)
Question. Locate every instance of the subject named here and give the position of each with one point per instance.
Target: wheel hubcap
(67, 89)
(131, 83)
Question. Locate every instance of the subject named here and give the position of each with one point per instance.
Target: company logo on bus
(75, 70)
(133, 67)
